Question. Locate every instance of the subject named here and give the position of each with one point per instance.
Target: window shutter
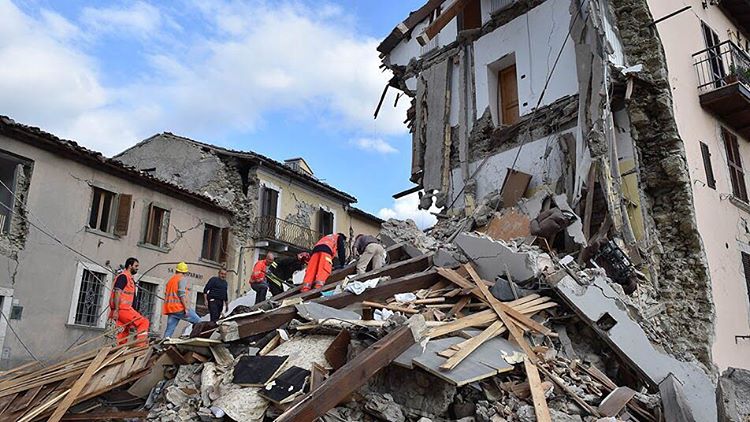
(164, 229)
(746, 268)
(224, 245)
(710, 180)
(124, 205)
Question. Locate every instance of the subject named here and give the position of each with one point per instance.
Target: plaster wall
(43, 278)
(534, 40)
(542, 158)
(723, 224)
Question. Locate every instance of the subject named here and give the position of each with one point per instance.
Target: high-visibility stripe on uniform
(127, 295)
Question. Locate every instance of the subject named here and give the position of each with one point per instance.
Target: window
(215, 241)
(746, 269)
(325, 222)
(10, 168)
(157, 226)
(145, 300)
(110, 212)
(710, 180)
(736, 174)
(471, 16)
(507, 96)
(89, 304)
(269, 202)
(714, 54)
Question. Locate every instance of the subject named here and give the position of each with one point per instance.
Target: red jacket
(259, 272)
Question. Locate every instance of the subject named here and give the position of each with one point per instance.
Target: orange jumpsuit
(321, 263)
(128, 319)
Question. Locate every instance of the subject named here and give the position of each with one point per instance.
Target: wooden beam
(390, 307)
(445, 17)
(100, 416)
(589, 202)
(355, 373)
(560, 383)
(458, 306)
(537, 393)
(491, 332)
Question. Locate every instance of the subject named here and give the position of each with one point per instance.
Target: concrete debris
(733, 395)
(407, 231)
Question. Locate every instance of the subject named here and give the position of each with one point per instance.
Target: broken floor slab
(493, 258)
(598, 302)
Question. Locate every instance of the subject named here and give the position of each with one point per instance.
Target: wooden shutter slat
(710, 180)
(124, 205)
(224, 245)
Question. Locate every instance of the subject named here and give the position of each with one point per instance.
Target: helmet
(182, 267)
(304, 257)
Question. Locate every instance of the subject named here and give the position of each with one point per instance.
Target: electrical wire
(20, 340)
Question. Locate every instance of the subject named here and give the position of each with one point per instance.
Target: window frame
(158, 301)
(734, 165)
(6, 224)
(111, 214)
(221, 239)
(323, 209)
(164, 231)
(104, 295)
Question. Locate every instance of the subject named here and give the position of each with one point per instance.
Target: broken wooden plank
(79, 384)
(442, 20)
(355, 373)
(396, 308)
(537, 394)
(472, 345)
(100, 416)
(458, 306)
(336, 354)
(615, 401)
(560, 383)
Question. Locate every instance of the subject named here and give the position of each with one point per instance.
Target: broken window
(215, 241)
(9, 169)
(471, 16)
(710, 180)
(507, 95)
(157, 226)
(89, 304)
(734, 160)
(325, 222)
(145, 300)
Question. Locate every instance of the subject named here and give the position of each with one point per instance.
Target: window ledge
(101, 233)
(85, 327)
(210, 263)
(740, 203)
(153, 247)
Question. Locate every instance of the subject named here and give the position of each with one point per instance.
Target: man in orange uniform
(121, 310)
(176, 300)
(259, 277)
(321, 260)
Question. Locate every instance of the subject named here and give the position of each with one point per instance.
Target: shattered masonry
(461, 162)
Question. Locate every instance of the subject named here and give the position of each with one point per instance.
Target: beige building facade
(707, 51)
(279, 207)
(70, 218)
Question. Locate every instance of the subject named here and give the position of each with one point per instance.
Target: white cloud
(374, 145)
(407, 208)
(240, 62)
(139, 18)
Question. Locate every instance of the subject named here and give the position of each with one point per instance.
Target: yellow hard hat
(182, 267)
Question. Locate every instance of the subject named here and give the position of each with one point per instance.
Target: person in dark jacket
(215, 295)
(282, 270)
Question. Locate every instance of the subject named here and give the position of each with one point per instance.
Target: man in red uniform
(321, 260)
(127, 319)
(258, 279)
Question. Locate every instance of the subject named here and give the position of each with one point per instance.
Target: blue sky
(283, 78)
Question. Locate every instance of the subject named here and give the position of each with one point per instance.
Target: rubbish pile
(488, 325)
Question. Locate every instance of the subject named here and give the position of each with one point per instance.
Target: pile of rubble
(497, 324)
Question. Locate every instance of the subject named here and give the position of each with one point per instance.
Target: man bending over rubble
(321, 260)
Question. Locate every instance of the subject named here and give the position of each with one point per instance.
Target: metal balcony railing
(721, 65)
(268, 227)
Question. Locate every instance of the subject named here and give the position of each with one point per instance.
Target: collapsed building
(630, 109)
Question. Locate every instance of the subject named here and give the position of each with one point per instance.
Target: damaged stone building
(635, 114)
(69, 218)
(279, 207)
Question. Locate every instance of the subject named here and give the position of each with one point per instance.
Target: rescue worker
(282, 270)
(368, 249)
(121, 310)
(321, 260)
(176, 300)
(259, 280)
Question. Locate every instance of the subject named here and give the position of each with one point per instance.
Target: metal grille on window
(90, 298)
(146, 299)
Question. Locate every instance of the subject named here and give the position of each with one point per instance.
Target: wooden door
(508, 95)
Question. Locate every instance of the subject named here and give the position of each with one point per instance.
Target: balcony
(738, 10)
(276, 229)
(723, 81)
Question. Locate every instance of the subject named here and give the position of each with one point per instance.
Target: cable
(7, 321)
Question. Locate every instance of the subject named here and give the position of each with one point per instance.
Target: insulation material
(303, 351)
(243, 404)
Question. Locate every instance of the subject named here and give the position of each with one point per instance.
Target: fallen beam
(355, 373)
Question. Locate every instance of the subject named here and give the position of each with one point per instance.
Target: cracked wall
(15, 239)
